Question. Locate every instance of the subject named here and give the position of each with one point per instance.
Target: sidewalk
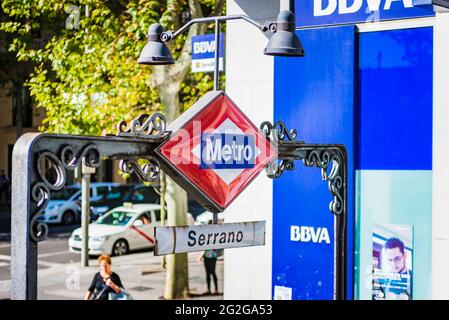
(141, 274)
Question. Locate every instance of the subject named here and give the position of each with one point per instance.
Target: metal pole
(171, 36)
(217, 55)
(332, 159)
(36, 153)
(163, 189)
(85, 213)
(23, 249)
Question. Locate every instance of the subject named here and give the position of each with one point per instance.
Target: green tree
(86, 77)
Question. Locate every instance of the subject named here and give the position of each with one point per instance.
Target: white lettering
(247, 153)
(211, 152)
(210, 46)
(406, 3)
(214, 151)
(324, 236)
(315, 234)
(328, 7)
(318, 8)
(196, 47)
(344, 8)
(295, 233)
(204, 46)
(226, 152)
(307, 234)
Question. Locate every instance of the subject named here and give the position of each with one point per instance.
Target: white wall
(440, 178)
(249, 83)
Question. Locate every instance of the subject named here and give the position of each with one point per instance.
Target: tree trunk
(177, 276)
(168, 79)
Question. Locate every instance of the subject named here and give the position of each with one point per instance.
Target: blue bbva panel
(333, 12)
(203, 46)
(315, 95)
(395, 118)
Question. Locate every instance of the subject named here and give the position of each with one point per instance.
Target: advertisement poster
(392, 262)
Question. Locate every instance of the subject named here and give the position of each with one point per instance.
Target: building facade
(9, 129)
(373, 79)
(33, 118)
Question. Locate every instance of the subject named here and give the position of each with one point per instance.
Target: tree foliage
(85, 75)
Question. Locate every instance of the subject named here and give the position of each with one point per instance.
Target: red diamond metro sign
(214, 151)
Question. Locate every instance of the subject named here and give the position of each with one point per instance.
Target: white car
(64, 204)
(125, 228)
(207, 218)
(62, 207)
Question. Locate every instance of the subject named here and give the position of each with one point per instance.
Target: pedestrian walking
(104, 282)
(210, 261)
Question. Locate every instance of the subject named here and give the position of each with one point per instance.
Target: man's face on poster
(395, 259)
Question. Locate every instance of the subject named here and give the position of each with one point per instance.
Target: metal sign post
(214, 162)
(85, 213)
(40, 164)
(333, 162)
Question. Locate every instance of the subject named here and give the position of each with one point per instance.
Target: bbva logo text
(328, 7)
(203, 47)
(309, 234)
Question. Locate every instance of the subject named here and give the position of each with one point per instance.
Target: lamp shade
(285, 42)
(155, 51)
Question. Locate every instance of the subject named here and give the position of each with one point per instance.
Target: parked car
(64, 205)
(143, 194)
(122, 229)
(120, 194)
(207, 217)
(113, 197)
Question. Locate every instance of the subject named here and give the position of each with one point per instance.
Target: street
(60, 275)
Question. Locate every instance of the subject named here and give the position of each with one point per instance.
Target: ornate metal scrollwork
(148, 172)
(48, 162)
(276, 168)
(40, 194)
(323, 159)
(89, 154)
(143, 126)
(319, 156)
(278, 131)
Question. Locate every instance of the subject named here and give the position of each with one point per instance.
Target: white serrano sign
(171, 240)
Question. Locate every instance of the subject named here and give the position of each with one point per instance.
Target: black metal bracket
(40, 164)
(37, 154)
(333, 162)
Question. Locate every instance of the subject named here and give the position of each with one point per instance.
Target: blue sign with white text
(203, 53)
(332, 12)
(316, 96)
(227, 151)
(203, 47)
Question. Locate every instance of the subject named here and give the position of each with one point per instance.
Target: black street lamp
(139, 140)
(283, 42)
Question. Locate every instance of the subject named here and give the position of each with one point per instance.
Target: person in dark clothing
(4, 186)
(210, 261)
(104, 282)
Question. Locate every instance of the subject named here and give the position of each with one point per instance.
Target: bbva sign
(329, 7)
(309, 234)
